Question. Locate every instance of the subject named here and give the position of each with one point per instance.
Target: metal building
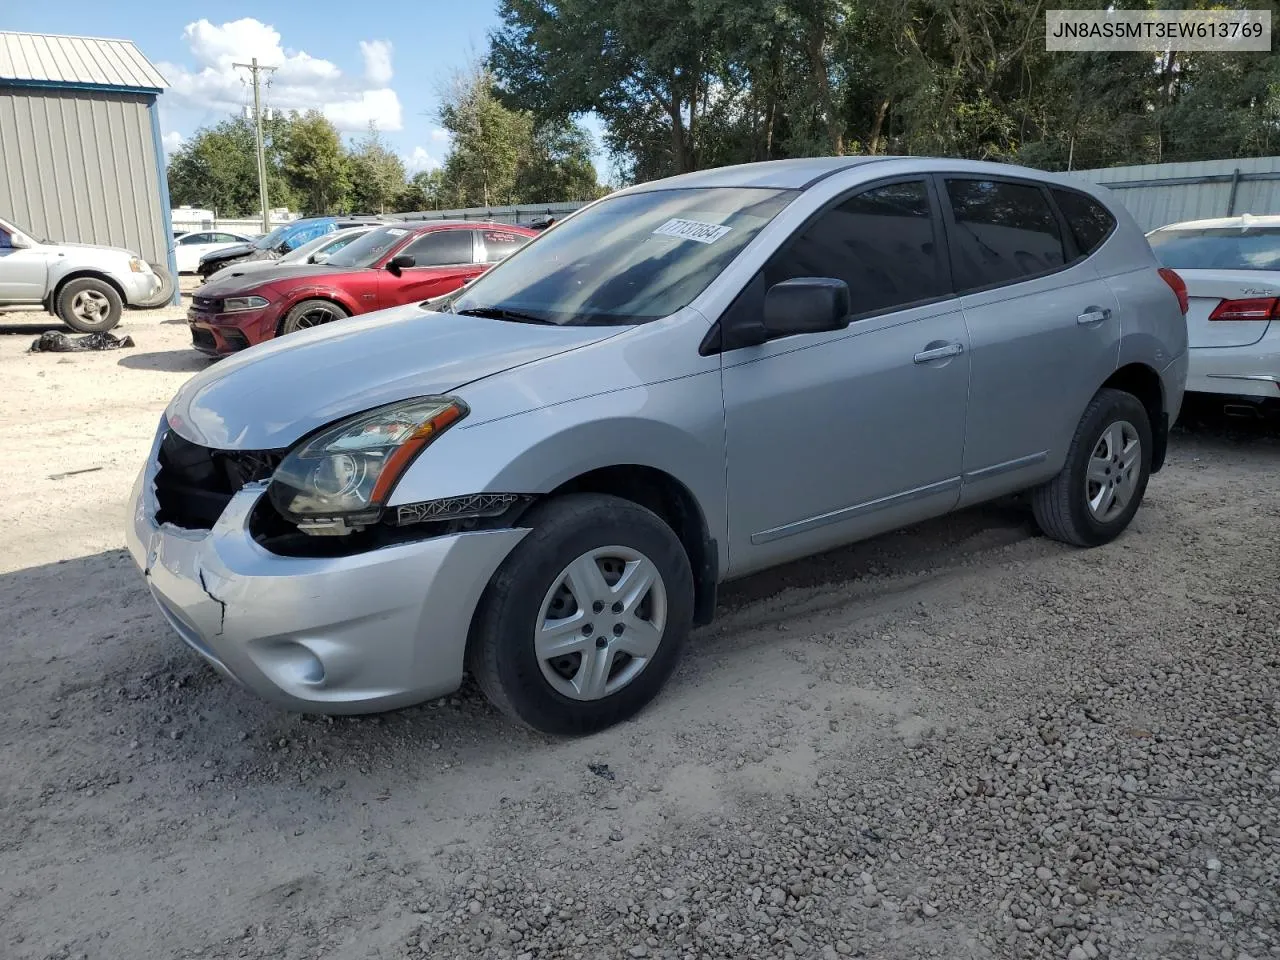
(1161, 193)
(80, 152)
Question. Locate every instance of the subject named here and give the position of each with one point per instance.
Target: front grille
(206, 304)
(203, 338)
(195, 484)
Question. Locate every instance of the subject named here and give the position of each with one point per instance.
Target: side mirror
(19, 242)
(284, 247)
(805, 305)
(320, 258)
(401, 262)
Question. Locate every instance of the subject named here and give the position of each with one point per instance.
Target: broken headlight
(339, 479)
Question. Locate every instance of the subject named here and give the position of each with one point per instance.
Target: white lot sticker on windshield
(694, 230)
(396, 232)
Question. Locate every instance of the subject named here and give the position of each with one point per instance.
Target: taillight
(1178, 286)
(1257, 308)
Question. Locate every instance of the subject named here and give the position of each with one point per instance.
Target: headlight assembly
(236, 304)
(340, 478)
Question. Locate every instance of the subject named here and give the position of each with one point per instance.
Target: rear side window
(499, 244)
(880, 242)
(1231, 248)
(1005, 232)
(1090, 221)
(442, 248)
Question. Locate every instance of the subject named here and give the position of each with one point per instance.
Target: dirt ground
(960, 740)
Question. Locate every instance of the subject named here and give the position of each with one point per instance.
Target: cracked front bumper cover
(351, 634)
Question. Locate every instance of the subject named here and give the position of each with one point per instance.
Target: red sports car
(392, 265)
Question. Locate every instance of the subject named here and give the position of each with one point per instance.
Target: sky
(356, 62)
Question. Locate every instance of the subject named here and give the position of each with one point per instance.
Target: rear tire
(565, 667)
(1093, 499)
(311, 313)
(89, 305)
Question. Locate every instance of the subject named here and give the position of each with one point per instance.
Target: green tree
(316, 164)
(218, 169)
(377, 174)
(424, 191)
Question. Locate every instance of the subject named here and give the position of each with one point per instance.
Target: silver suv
(543, 478)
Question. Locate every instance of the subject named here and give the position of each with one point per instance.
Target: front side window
(1218, 248)
(628, 259)
(1090, 221)
(194, 238)
(880, 242)
(1005, 232)
(367, 250)
(442, 248)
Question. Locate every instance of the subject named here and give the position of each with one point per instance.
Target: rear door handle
(939, 353)
(1094, 315)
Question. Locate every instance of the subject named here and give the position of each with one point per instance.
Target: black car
(286, 237)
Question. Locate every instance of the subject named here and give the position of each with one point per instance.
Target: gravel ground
(961, 740)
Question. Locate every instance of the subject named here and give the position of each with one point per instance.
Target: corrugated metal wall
(520, 214)
(1161, 193)
(81, 166)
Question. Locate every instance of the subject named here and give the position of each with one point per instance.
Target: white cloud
(377, 61)
(299, 82)
(439, 135)
(172, 141)
(420, 160)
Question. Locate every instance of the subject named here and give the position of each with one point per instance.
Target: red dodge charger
(395, 264)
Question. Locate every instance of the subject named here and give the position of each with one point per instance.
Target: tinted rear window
(1090, 221)
(1230, 248)
(1005, 232)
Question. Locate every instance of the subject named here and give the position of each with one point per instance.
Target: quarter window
(880, 242)
(1090, 221)
(443, 248)
(499, 244)
(1004, 232)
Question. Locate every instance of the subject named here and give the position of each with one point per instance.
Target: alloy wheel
(1113, 471)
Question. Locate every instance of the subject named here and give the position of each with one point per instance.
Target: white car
(313, 251)
(1231, 267)
(190, 247)
(86, 286)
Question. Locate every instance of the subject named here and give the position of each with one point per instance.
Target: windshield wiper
(500, 313)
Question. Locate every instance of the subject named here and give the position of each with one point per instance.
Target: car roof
(800, 174)
(1244, 221)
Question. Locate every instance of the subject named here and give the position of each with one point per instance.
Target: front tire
(584, 622)
(1093, 499)
(89, 305)
(311, 313)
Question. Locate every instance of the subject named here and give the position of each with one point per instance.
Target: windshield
(340, 239)
(272, 239)
(1220, 248)
(628, 259)
(368, 249)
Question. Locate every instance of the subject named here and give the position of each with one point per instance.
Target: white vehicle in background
(86, 286)
(1231, 267)
(190, 247)
(318, 250)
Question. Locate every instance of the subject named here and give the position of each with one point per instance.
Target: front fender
(676, 426)
(318, 291)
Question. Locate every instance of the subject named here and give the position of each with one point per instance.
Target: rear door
(443, 260)
(23, 272)
(1045, 329)
(1232, 277)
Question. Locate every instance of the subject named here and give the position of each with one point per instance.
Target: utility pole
(255, 70)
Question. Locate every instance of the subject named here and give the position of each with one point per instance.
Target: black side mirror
(805, 305)
(401, 262)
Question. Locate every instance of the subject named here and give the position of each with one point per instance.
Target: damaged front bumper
(350, 634)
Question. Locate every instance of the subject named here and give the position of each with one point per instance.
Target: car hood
(271, 395)
(64, 245)
(231, 252)
(235, 279)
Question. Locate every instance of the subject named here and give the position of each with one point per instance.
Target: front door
(23, 271)
(442, 262)
(836, 436)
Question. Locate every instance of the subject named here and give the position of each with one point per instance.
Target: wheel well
(337, 303)
(1144, 383)
(52, 305)
(671, 500)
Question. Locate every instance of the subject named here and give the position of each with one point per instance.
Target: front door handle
(1094, 315)
(939, 353)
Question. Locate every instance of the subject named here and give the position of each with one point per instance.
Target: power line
(254, 70)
